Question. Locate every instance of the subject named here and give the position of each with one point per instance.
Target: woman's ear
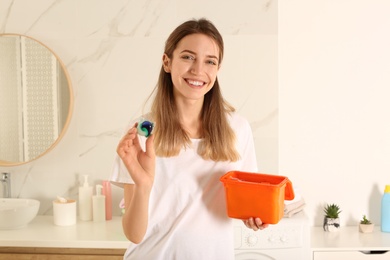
(166, 63)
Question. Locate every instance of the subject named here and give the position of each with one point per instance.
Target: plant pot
(331, 224)
(366, 228)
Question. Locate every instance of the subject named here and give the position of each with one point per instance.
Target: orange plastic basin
(256, 195)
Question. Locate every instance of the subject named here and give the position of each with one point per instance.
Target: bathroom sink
(17, 213)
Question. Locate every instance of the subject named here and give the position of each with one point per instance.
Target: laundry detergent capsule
(145, 128)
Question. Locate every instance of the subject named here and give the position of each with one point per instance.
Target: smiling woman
(35, 99)
(172, 194)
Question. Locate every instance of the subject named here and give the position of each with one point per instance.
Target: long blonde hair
(218, 140)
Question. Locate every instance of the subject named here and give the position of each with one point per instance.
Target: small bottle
(85, 201)
(99, 205)
(385, 217)
(107, 194)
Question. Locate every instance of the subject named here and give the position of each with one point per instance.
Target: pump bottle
(99, 205)
(385, 218)
(85, 201)
(107, 194)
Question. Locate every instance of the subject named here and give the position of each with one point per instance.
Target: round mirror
(36, 99)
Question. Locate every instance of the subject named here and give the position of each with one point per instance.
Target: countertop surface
(42, 232)
(349, 238)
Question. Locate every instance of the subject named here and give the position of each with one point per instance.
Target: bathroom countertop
(349, 238)
(41, 232)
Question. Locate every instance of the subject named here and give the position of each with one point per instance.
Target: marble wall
(112, 50)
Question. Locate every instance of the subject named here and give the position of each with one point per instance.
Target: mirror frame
(70, 110)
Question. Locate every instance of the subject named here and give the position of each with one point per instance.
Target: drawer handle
(374, 252)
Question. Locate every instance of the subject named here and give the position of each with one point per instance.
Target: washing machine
(287, 240)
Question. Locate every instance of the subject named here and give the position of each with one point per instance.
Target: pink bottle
(107, 193)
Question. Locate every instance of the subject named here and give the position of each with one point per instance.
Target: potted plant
(365, 225)
(331, 219)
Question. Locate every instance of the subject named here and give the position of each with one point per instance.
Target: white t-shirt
(187, 210)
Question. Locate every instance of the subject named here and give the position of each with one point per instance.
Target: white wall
(334, 83)
(112, 50)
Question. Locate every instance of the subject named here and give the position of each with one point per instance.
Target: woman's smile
(195, 83)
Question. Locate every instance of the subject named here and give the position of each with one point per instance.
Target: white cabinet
(349, 243)
(353, 255)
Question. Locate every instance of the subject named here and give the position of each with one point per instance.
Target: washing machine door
(252, 256)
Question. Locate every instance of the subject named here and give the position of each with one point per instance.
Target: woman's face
(193, 67)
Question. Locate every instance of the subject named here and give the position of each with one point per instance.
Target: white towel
(294, 211)
(294, 206)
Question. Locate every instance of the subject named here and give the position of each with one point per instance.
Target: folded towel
(291, 207)
(292, 212)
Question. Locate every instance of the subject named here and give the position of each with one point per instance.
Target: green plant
(332, 211)
(365, 220)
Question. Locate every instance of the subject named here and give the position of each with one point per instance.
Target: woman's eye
(212, 62)
(187, 57)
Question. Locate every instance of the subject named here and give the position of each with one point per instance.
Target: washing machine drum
(252, 256)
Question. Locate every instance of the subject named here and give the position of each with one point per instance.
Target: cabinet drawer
(57, 257)
(44, 253)
(355, 255)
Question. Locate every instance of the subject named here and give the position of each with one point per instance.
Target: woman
(174, 203)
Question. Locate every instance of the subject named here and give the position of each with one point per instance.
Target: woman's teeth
(195, 83)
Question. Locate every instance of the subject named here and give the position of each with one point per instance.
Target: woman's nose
(196, 67)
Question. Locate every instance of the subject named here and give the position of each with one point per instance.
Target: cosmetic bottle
(99, 205)
(107, 194)
(85, 201)
(385, 214)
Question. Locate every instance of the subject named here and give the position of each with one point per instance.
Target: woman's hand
(255, 224)
(140, 164)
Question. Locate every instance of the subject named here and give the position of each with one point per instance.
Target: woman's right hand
(139, 163)
(255, 224)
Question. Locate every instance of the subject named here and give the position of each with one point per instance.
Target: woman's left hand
(255, 224)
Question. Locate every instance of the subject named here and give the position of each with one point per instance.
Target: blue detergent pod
(145, 128)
